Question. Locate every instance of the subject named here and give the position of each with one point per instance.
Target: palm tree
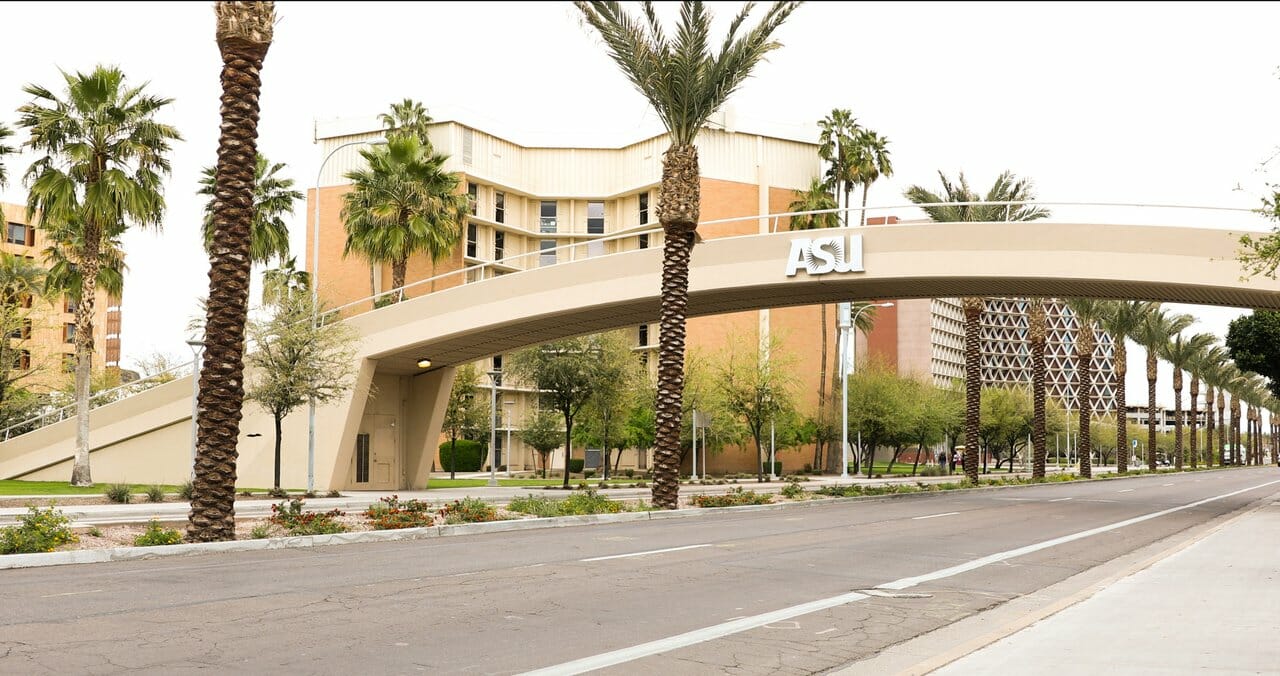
(1201, 367)
(817, 198)
(685, 83)
(273, 199)
(281, 283)
(1180, 351)
(1156, 331)
(104, 159)
(20, 279)
(5, 150)
(837, 147)
(953, 206)
(1037, 334)
(244, 31)
(1122, 321)
(407, 118)
(1088, 313)
(1226, 377)
(872, 164)
(404, 203)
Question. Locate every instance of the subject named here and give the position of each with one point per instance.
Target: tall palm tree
(817, 198)
(1180, 351)
(244, 31)
(1202, 367)
(1226, 377)
(1122, 321)
(407, 118)
(104, 159)
(273, 199)
(838, 148)
(1159, 327)
(872, 164)
(953, 205)
(1037, 334)
(685, 83)
(5, 150)
(403, 203)
(1088, 314)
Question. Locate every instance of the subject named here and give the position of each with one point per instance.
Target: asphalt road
(797, 590)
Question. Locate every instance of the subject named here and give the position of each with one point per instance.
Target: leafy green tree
(929, 414)
(756, 387)
(702, 394)
(605, 415)
(1253, 342)
(104, 160)
(1007, 417)
(404, 203)
(21, 280)
(542, 432)
(273, 199)
(685, 82)
(296, 360)
(465, 411)
(877, 397)
(637, 430)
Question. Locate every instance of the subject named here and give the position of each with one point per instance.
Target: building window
(68, 362)
(68, 333)
(644, 335)
(547, 252)
(17, 233)
(69, 305)
(22, 360)
(595, 218)
(499, 245)
(497, 452)
(362, 458)
(473, 197)
(644, 241)
(547, 217)
(497, 362)
(468, 143)
(500, 207)
(25, 301)
(471, 240)
(22, 332)
(644, 208)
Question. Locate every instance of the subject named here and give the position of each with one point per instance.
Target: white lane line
(824, 631)
(91, 591)
(652, 551)
(1127, 490)
(933, 516)
(1060, 500)
(696, 636)
(1166, 484)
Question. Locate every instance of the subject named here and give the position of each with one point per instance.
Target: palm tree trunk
(1222, 428)
(568, 449)
(1208, 425)
(244, 35)
(1151, 409)
(398, 268)
(1177, 418)
(1085, 343)
(972, 385)
(862, 217)
(678, 208)
(1122, 422)
(1235, 430)
(822, 393)
(1037, 335)
(89, 266)
(279, 419)
(1193, 447)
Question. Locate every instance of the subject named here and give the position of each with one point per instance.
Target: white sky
(1167, 103)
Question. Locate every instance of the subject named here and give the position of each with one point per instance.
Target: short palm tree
(282, 283)
(1227, 377)
(407, 118)
(1214, 374)
(244, 31)
(953, 205)
(1200, 368)
(5, 150)
(872, 164)
(20, 279)
(1180, 351)
(1159, 327)
(404, 203)
(1088, 314)
(273, 199)
(105, 156)
(837, 147)
(1122, 321)
(817, 199)
(685, 82)
(1037, 334)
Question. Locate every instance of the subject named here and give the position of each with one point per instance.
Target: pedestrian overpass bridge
(145, 438)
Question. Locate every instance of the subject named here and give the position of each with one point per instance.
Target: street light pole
(315, 301)
(848, 354)
(197, 348)
(506, 408)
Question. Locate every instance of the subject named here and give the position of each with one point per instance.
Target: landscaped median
(44, 538)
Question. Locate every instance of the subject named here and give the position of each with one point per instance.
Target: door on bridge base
(375, 462)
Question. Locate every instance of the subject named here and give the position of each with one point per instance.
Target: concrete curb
(12, 561)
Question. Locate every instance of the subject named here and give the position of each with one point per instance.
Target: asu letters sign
(821, 255)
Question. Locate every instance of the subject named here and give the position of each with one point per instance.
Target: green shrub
(777, 467)
(629, 473)
(391, 513)
(792, 490)
(155, 493)
(467, 456)
(933, 470)
(576, 465)
(588, 473)
(589, 502)
(95, 532)
(290, 517)
(733, 498)
(535, 505)
(39, 530)
(157, 535)
(185, 490)
(278, 493)
(468, 510)
(333, 494)
(120, 493)
(260, 532)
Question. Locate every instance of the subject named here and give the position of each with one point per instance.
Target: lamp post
(197, 349)
(507, 407)
(315, 301)
(847, 347)
(495, 379)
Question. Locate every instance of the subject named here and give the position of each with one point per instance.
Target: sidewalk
(1209, 607)
(354, 501)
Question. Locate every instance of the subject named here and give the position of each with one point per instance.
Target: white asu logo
(825, 254)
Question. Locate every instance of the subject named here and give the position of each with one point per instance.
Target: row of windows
(24, 332)
(22, 361)
(548, 218)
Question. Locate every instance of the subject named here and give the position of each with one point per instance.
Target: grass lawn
(19, 487)
(473, 483)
